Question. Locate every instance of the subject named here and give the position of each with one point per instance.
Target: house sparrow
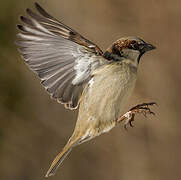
(77, 73)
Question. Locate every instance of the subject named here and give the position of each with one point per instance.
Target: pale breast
(105, 96)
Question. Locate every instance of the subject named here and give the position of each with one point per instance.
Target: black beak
(144, 48)
(148, 47)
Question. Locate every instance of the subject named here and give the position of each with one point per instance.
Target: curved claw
(151, 112)
(139, 109)
(144, 114)
(130, 123)
(143, 105)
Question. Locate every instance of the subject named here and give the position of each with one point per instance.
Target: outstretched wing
(62, 58)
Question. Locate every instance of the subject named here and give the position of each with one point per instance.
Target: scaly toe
(143, 105)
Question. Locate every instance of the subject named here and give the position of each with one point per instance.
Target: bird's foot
(138, 109)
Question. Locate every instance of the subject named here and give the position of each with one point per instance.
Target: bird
(78, 74)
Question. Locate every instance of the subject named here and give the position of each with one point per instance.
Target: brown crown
(121, 44)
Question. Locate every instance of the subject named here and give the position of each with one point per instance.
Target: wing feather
(61, 57)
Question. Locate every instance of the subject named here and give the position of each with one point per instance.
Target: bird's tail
(58, 160)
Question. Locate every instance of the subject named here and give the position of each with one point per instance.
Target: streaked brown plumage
(76, 72)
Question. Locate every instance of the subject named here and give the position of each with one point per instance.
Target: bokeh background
(34, 128)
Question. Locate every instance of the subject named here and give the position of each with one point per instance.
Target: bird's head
(131, 48)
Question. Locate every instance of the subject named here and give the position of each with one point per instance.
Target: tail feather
(57, 161)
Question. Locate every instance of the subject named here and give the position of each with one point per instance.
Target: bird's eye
(134, 45)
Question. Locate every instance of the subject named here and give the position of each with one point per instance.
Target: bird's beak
(148, 47)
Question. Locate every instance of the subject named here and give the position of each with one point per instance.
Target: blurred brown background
(33, 128)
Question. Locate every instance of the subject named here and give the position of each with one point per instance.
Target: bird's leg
(138, 109)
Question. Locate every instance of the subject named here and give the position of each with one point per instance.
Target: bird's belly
(104, 99)
(111, 99)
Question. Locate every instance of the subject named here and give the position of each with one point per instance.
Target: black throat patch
(112, 56)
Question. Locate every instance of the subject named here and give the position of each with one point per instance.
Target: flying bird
(78, 74)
